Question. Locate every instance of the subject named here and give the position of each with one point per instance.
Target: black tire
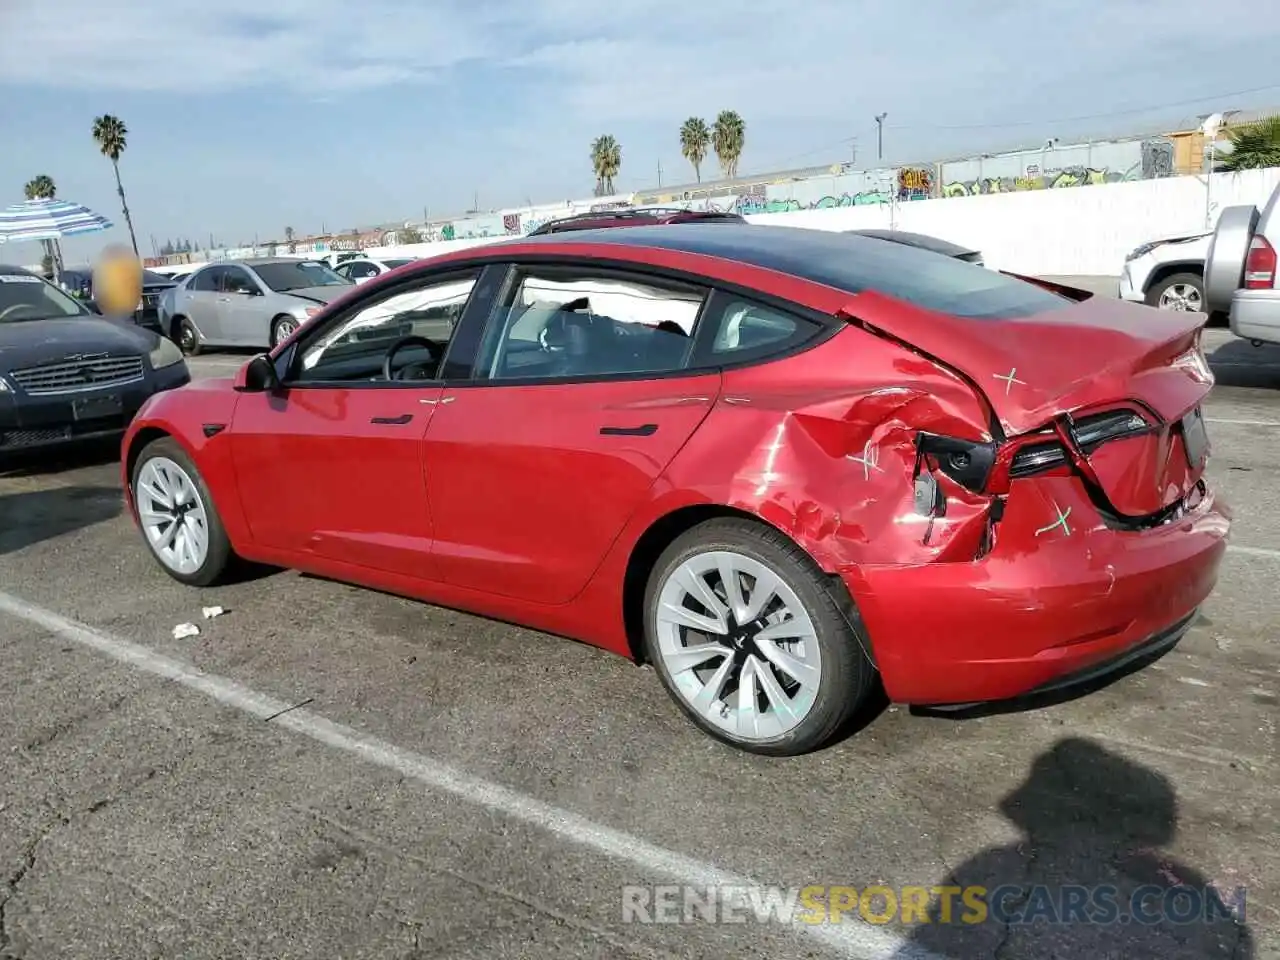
(220, 557)
(186, 337)
(1193, 280)
(847, 675)
(277, 323)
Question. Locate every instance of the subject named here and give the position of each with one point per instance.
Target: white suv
(1167, 274)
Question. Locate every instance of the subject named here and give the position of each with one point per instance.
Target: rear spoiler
(1062, 289)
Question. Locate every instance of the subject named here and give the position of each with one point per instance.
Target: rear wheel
(1183, 292)
(751, 640)
(177, 515)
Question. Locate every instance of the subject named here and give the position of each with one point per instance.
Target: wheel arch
(664, 531)
(1166, 270)
(137, 443)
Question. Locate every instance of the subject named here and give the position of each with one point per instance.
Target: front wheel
(751, 640)
(1183, 292)
(177, 515)
(187, 337)
(282, 328)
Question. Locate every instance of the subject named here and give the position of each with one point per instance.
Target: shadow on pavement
(1086, 878)
(32, 516)
(1237, 363)
(34, 463)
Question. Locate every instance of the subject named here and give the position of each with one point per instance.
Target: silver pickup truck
(1240, 275)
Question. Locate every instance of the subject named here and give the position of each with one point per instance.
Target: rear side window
(749, 329)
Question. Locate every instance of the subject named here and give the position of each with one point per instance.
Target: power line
(843, 144)
(1083, 117)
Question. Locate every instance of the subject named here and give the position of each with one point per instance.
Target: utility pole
(853, 151)
(659, 174)
(880, 134)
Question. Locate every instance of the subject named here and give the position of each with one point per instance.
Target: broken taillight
(1260, 265)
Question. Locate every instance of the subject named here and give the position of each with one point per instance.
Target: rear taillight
(1260, 265)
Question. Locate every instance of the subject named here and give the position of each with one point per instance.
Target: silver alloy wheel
(1183, 297)
(284, 328)
(739, 645)
(172, 515)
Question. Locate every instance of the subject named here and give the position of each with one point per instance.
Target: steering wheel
(18, 306)
(388, 366)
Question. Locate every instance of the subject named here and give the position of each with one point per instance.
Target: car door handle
(644, 430)
(393, 421)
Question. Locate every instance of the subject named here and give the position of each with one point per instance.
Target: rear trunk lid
(1078, 373)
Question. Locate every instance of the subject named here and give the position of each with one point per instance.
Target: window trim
(286, 360)
(518, 269)
(212, 271)
(822, 326)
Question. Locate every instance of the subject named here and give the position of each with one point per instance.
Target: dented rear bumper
(1060, 592)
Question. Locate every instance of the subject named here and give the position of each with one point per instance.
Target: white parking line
(1254, 551)
(854, 939)
(1243, 423)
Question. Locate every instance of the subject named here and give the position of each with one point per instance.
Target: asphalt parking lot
(444, 786)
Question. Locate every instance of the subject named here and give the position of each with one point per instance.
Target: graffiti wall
(1054, 167)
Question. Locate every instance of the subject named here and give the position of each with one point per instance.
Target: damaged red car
(782, 466)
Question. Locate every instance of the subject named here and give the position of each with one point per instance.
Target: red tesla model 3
(780, 465)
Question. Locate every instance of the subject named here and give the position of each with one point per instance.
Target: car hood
(318, 294)
(28, 342)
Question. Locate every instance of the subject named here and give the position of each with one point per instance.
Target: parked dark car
(68, 373)
(78, 281)
(650, 216)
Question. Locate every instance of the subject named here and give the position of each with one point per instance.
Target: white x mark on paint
(1009, 379)
(1060, 522)
(870, 460)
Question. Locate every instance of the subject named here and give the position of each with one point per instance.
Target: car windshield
(25, 297)
(298, 275)
(148, 277)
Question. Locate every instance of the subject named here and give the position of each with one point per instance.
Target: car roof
(15, 271)
(922, 240)
(264, 261)
(845, 261)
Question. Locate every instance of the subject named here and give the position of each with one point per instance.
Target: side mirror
(258, 375)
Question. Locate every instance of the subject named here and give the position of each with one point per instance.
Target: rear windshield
(927, 279)
(855, 264)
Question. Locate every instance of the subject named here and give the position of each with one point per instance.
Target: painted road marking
(855, 939)
(1254, 551)
(1243, 423)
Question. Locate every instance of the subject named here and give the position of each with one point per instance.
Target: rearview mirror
(258, 375)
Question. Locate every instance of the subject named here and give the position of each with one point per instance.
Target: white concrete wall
(1080, 230)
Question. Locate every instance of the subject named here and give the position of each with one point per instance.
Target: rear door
(582, 396)
(1118, 382)
(201, 302)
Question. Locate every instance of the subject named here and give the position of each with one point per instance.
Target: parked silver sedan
(247, 303)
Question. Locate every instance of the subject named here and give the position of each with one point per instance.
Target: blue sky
(246, 116)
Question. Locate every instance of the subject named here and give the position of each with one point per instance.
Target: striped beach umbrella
(46, 219)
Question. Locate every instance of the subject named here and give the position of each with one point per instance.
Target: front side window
(354, 346)
(565, 323)
(235, 280)
(298, 275)
(26, 297)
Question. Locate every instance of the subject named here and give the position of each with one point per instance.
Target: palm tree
(606, 161)
(43, 188)
(728, 137)
(112, 137)
(695, 139)
(1253, 146)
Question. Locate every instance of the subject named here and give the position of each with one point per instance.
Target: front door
(330, 464)
(243, 321)
(578, 407)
